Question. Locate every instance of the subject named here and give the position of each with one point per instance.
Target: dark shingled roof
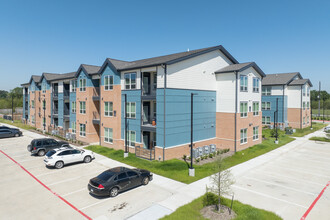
(279, 78)
(36, 78)
(91, 69)
(167, 59)
(299, 82)
(240, 67)
(58, 76)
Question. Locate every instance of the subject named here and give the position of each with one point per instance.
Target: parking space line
(276, 184)
(315, 174)
(57, 171)
(268, 196)
(314, 202)
(70, 193)
(104, 200)
(287, 177)
(41, 183)
(70, 179)
(32, 159)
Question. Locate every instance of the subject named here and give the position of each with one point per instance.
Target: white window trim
(80, 133)
(108, 109)
(247, 110)
(109, 142)
(265, 121)
(270, 106)
(82, 89)
(129, 138)
(257, 112)
(266, 93)
(254, 136)
(80, 109)
(74, 107)
(73, 130)
(243, 137)
(258, 85)
(245, 89)
(130, 81)
(110, 85)
(128, 114)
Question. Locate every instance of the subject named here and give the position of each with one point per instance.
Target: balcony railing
(55, 111)
(96, 91)
(96, 117)
(148, 90)
(66, 93)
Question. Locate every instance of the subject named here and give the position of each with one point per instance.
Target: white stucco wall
(294, 96)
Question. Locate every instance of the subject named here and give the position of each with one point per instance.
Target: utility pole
(126, 151)
(276, 120)
(319, 97)
(12, 107)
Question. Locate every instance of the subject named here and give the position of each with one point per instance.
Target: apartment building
(288, 93)
(146, 104)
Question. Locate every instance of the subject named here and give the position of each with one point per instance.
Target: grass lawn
(319, 139)
(244, 212)
(18, 124)
(305, 131)
(178, 169)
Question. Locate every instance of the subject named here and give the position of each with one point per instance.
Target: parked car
(118, 179)
(43, 145)
(327, 128)
(62, 156)
(10, 132)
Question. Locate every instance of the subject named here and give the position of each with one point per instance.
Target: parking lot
(288, 181)
(34, 191)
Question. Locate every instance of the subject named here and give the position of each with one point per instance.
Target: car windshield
(105, 176)
(50, 153)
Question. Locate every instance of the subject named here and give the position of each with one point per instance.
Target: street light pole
(12, 108)
(276, 120)
(44, 107)
(191, 169)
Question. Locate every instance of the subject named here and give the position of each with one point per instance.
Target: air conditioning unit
(212, 147)
(206, 150)
(73, 136)
(68, 136)
(195, 153)
(200, 151)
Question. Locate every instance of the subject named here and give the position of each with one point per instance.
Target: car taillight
(100, 186)
(34, 148)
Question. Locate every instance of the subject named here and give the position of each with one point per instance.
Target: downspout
(236, 99)
(100, 110)
(301, 107)
(165, 79)
(283, 107)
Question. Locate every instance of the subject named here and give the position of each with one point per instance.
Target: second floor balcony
(96, 93)
(96, 117)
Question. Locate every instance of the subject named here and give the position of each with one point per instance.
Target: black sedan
(10, 132)
(118, 179)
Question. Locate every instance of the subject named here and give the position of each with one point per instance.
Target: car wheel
(59, 164)
(114, 192)
(16, 135)
(87, 159)
(29, 148)
(145, 181)
(41, 153)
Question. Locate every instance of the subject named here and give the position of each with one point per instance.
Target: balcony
(96, 118)
(148, 116)
(96, 94)
(66, 94)
(149, 85)
(55, 95)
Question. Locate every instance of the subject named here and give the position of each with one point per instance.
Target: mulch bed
(210, 212)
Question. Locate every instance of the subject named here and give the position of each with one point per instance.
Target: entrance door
(146, 112)
(146, 83)
(146, 138)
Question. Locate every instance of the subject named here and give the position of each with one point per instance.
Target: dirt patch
(210, 212)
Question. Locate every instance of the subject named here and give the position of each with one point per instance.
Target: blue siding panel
(281, 114)
(132, 124)
(83, 75)
(108, 71)
(178, 113)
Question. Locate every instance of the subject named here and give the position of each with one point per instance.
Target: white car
(327, 128)
(62, 156)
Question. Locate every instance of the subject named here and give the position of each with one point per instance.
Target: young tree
(221, 181)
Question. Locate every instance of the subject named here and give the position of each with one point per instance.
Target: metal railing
(96, 91)
(145, 153)
(96, 115)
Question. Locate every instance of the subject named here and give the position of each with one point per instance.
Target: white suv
(61, 156)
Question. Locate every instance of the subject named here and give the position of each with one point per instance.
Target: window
(304, 90)
(244, 136)
(73, 85)
(131, 138)
(307, 119)
(308, 91)
(33, 119)
(265, 120)
(304, 105)
(122, 176)
(82, 130)
(255, 133)
(32, 103)
(108, 82)
(131, 110)
(43, 86)
(155, 81)
(244, 83)
(73, 127)
(244, 109)
(265, 105)
(255, 108)
(256, 84)
(82, 85)
(64, 153)
(108, 109)
(304, 120)
(82, 107)
(307, 105)
(132, 174)
(266, 90)
(33, 88)
(130, 80)
(44, 104)
(155, 110)
(73, 107)
(108, 135)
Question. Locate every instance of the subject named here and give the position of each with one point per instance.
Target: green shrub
(184, 157)
(210, 155)
(210, 199)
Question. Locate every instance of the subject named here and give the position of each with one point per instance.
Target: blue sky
(57, 36)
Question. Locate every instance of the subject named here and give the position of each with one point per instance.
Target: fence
(18, 110)
(148, 154)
